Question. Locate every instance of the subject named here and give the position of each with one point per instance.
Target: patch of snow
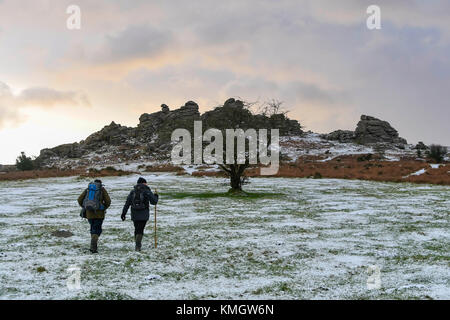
(391, 158)
(417, 173)
(189, 169)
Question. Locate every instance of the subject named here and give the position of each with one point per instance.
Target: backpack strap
(101, 197)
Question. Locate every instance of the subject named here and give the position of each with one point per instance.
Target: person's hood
(141, 185)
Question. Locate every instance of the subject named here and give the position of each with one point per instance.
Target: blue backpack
(93, 199)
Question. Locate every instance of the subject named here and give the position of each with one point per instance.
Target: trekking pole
(156, 242)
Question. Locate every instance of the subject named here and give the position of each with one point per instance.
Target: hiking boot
(94, 241)
(138, 239)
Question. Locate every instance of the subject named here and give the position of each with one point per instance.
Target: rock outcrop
(112, 134)
(369, 130)
(373, 130)
(344, 136)
(159, 125)
(421, 146)
(70, 150)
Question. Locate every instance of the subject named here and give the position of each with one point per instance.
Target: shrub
(437, 152)
(24, 163)
(41, 269)
(366, 157)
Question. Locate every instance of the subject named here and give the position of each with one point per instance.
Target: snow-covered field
(290, 239)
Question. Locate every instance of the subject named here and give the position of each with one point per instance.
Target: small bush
(41, 269)
(317, 175)
(24, 163)
(437, 152)
(366, 157)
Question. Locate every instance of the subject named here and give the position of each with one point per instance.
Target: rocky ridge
(151, 139)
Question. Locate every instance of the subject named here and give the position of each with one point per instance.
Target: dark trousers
(96, 226)
(139, 227)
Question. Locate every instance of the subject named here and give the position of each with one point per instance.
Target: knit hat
(141, 180)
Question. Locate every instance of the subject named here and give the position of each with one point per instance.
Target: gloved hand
(123, 217)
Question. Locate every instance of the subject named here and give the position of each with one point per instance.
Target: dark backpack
(138, 201)
(93, 199)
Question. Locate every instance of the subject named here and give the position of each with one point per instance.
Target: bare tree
(272, 107)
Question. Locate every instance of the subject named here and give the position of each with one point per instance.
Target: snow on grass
(418, 172)
(312, 144)
(289, 239)
(189, 169)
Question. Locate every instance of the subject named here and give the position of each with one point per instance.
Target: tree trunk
(236, 174)
(235, 181)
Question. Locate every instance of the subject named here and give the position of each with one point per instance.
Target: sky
(59, 85)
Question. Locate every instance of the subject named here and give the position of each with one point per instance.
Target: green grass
(41, 269)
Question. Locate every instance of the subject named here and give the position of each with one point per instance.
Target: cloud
(312, 93)
(48, 97)
(12, 105)
(9, 113)
(315, 55)
(135, 41)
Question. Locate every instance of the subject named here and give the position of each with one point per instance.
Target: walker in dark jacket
(140, 213)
